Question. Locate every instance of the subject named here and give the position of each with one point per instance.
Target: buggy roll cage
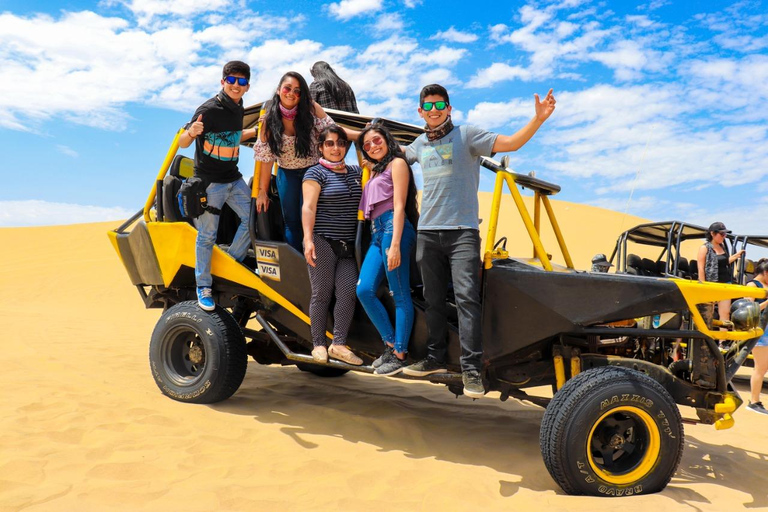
(406, 133)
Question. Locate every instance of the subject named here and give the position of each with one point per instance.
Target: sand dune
(85, 428)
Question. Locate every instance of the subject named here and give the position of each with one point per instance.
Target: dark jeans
(291, 199)
(441, 255)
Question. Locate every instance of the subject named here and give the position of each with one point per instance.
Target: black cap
(717, 227)
(600, 259)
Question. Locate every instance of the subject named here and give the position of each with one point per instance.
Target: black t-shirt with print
(217, 149)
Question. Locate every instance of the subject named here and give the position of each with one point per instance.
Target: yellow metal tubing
(366, 177)
(558, 233)
(728, 405)
(575, 366)
(160, 175)
(725, 422)
(537, 213)
(257, 164)
(559, 372)
(498, 188)
(696, 293)
(537, 245)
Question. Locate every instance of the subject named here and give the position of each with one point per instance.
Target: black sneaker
(383, 358)
(390, 367)
(757, 407)
(426, 366)
(473, 384)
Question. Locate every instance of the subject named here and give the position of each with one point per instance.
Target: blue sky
(661, 105)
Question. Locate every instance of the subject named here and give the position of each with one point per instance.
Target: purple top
(378, 195)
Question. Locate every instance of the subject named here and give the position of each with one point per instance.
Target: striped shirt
(336, 214)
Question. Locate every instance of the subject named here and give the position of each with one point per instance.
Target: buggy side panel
(524, 305)
(137, 254)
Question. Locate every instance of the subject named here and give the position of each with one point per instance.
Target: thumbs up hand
(196, 128)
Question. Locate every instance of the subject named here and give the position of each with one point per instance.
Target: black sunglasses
(240, 81)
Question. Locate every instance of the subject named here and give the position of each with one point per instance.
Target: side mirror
(505, 161)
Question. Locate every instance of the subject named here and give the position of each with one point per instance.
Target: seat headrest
(633, 260)
(182, 166)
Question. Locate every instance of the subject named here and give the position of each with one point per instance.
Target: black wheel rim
(184, 356)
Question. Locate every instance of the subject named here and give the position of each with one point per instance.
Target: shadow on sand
(424, 420)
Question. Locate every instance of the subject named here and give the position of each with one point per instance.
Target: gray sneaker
(426, 366)
(757, 407)
(473, 384)
(383, 358)
(390, 367)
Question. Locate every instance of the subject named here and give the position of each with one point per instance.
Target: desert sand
(83, 426)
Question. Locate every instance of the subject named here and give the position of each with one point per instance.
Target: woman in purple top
(389, 202)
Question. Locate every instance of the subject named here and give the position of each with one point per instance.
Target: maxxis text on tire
(612, 431)
(196, 356)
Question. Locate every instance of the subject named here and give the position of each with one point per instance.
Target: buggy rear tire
(197, 357)
(612, 431)
(321, 371)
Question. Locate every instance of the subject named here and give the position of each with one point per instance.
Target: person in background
(600, 263)
(389, 202)
(332, 193)
(216, 129)
(329, 90)
(448, 241)
(760, 352)
(714, 263)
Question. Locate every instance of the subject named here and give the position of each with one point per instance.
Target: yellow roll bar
(161, 174)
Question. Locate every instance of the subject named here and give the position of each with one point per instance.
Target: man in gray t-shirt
(448, 243)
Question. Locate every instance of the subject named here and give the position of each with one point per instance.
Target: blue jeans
(238, 196)
(442, 255)
(372, 272)
(291, 199)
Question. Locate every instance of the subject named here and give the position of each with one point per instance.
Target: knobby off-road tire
(321, 371)
(612, 431)
(196, 356)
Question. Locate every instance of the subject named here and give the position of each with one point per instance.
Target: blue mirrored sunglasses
(240, 81)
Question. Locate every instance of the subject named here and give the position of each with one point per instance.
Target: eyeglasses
(240, 81)
(375, 141)
(287, 90)
(340, 143)
(439, 105)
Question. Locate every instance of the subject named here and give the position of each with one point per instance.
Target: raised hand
(545, 108)
(196, 128)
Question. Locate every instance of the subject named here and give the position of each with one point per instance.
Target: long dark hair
(393, 151)
(340, 90)
(304, 122)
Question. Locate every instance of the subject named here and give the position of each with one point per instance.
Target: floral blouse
(287, 158)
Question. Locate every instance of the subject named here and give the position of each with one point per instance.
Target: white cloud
(347, 9)
(44, 213)
(388, 23)
(498, 72)
(66, 150)
(455, 36)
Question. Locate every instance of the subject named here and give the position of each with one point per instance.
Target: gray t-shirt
(451, 169)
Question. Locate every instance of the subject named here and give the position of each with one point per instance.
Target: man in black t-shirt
(217, 131)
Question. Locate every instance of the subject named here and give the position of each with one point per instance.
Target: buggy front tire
(612, 431)
(197, 357)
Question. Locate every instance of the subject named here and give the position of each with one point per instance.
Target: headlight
(745, 314)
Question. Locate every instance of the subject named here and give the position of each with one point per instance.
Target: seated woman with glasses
(331, 193)
(389, 202)
(289, 135)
